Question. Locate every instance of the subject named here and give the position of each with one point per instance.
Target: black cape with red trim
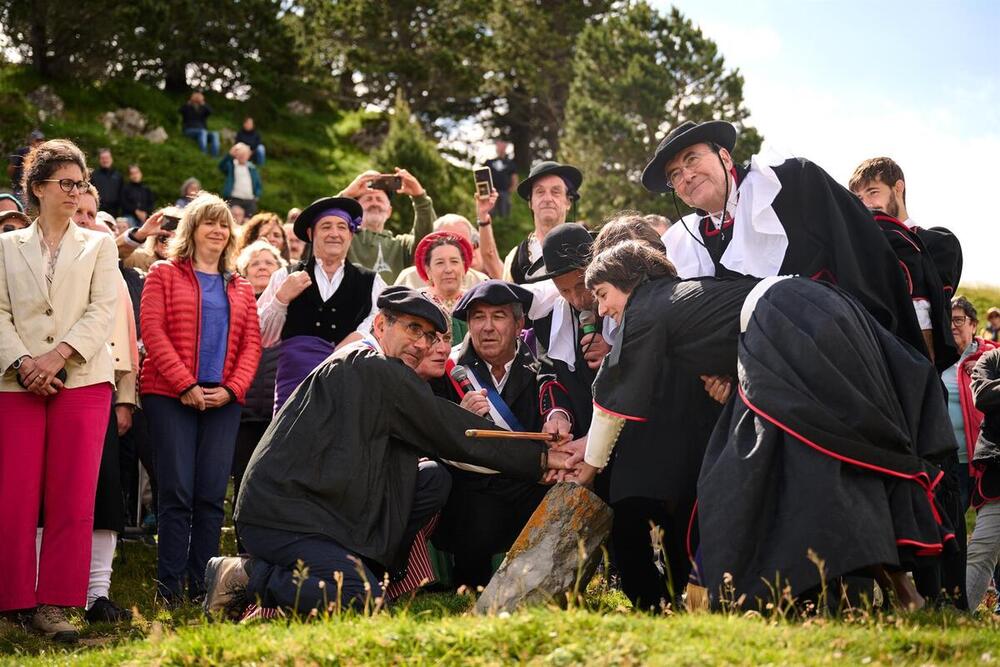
(825, 450)
(831, 238)
(924, 279)
(946, 251)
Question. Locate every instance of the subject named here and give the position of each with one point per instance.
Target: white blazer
(79, 309)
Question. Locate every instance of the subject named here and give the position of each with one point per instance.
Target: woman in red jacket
(199, 326)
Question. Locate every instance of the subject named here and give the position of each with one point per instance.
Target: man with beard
(320, 303)
(551, 190)
(931, 259)
(374, 247)
(335, 483)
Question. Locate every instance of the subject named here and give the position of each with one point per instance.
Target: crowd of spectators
(164, 339)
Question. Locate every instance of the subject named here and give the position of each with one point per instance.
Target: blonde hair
(246, 255)
(205, 206)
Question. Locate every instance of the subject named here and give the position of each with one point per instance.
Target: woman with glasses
(199, 326)
(58, 290)
(965, 418)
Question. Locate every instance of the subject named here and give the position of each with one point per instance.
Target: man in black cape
(824, 447)
(761, 220)
(335, 481)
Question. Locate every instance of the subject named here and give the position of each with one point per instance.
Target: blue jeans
(204, 138)
(276, 552)
(259, 155)
(193, 453)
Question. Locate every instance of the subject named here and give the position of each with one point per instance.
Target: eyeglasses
(959, 321)
(67, 184)
(689, 162)
(414, 331)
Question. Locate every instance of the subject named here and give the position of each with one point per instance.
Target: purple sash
(298, 357)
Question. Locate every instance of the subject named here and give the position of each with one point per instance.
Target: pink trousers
(50, 452)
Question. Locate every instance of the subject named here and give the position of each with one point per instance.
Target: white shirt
(242, 184)
(272, 312)
(499, 384)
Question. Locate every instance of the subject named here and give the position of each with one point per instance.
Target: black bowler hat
(566, 248)
(319, 208)
(686, 134)
(495, 293)
(408, 301)
(569, 173)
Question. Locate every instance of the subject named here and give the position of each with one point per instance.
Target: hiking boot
(226, 579)
(105, 611)
(51, 622)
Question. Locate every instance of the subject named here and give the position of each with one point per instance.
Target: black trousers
(651, 567)
(275, 553)
(483, 517)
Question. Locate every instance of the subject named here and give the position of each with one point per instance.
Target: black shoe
(105, 611)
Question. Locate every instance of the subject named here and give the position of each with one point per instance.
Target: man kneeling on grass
(335, 482)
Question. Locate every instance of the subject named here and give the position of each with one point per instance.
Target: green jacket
(386, 253)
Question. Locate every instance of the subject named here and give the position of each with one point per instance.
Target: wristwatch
(483, 223)
(17, 362)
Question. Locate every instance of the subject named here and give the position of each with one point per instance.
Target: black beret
(408, 301)
(495, 293)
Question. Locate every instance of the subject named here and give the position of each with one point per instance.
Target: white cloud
(947, 164)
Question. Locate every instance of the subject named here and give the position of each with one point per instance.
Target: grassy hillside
(308, 156)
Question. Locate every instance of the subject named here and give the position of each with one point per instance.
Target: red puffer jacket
(170, 315)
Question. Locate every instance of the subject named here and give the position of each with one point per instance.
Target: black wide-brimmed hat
(566, 248)
(570, 173)
(686, 134)
(408, 301)
(318, 208)
(494, 292)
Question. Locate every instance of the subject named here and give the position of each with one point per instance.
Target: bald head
(454, 224)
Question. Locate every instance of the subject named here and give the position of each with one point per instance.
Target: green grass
(441, 628)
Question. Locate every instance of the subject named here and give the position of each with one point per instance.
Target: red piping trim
(909, 279)
(687, 545)
(824, 274)
(920, 478)
(619, 414)
(888, 218)
(708, 229)
(907, 239)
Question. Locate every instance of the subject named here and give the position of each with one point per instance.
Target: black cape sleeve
(831, 237)
(694, 323)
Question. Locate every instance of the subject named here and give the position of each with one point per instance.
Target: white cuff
(604, 432)
(923, 309)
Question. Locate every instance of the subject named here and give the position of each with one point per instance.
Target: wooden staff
(510, 435)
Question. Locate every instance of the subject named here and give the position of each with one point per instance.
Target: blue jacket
(226, 166)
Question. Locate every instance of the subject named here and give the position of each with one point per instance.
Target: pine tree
(637, 74)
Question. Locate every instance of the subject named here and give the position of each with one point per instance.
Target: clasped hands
(202, 398)
(39, 373)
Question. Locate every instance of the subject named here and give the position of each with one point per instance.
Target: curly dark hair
(44, 159)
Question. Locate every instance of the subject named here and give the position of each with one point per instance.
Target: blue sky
(839, 82)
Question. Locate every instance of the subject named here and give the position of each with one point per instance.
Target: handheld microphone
(460, 374)
(588, 322)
